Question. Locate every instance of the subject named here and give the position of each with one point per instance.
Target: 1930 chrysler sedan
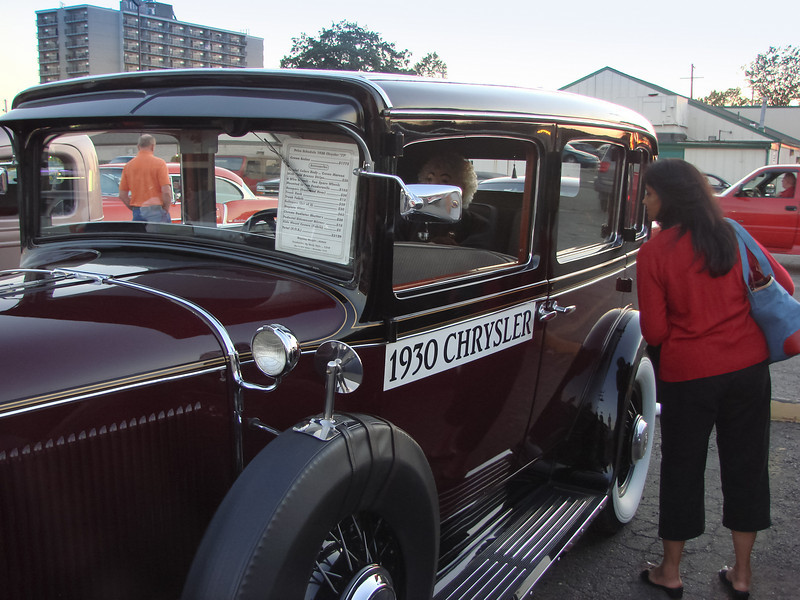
(379, 389)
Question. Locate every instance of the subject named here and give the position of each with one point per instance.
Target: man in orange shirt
(146, 179)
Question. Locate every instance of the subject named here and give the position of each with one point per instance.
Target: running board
(516, 551)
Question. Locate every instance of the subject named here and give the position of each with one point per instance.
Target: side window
(254, 169)
(494, 177)
(590, 186)
(226, 191)
(8, 201)
(770, 184)
(60, 180)
(633, 210)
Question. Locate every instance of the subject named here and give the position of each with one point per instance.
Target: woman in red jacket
(713, 371)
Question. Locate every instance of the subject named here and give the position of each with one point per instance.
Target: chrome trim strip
(33, 405)
(400, 114)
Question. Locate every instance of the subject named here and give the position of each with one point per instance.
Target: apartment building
(76, 41)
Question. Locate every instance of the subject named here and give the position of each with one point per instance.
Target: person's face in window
(437, 176)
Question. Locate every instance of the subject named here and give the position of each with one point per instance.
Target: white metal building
(714, 139)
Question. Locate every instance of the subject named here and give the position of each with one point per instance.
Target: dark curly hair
(688, 203)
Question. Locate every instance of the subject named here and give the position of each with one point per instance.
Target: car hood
(62, 333)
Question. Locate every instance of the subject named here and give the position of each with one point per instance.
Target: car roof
(337, 95)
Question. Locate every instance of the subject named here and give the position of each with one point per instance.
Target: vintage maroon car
(767, 203)
(235, 202)
(375, 390)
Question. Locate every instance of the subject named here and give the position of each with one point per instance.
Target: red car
(235, 201)
(766, 202)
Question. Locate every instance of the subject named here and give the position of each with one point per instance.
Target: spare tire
(356, 516)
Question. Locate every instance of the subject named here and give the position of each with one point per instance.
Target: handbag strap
(746, 242)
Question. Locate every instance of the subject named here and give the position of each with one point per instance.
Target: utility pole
(691, 83)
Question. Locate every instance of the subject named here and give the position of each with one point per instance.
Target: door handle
(550, 310)
(790, 207)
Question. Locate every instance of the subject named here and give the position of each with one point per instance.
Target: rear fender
(588, 455)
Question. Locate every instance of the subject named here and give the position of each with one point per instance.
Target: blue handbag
(772, 307)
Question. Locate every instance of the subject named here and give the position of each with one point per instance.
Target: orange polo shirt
(143, 176)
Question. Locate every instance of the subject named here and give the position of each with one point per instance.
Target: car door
(589, 283)
(462, 362)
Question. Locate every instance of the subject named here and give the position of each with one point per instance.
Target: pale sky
(519, 42)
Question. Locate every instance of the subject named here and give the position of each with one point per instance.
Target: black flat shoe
(671, 592)
(737, 594)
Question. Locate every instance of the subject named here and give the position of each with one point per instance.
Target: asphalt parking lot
(604, 568)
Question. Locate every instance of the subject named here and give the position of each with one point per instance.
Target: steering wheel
(264, 222)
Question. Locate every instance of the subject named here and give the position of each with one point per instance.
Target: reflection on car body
(319, 402)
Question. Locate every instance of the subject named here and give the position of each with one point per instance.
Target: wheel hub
(640, 438)
(373, 582)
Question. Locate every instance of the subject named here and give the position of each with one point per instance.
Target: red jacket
(702, 324)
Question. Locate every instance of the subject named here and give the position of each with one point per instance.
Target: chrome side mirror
(342, 370)
(434, 202)
(424, 201)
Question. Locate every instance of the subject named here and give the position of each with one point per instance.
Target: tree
(775, 75)
(730, 97)
(346, 46)
(431, 66)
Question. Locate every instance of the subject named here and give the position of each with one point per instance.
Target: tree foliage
(431, 66)
(346, 46)
(775, 75)
(730, 97)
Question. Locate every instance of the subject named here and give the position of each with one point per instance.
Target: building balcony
(48, 58)
(77, 43)
(48, 33)
(82, 69)
(76, 18)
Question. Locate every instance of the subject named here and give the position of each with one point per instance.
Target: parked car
(235, 203)
(717, 183)
(767, 209)
(252, 169)
(268, 187)
(503, 184)
(324, 401)
(72, 196)
(585, 159)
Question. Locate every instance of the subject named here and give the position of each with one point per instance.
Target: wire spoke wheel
(359, 558)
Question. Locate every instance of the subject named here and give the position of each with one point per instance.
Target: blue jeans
(154, 214)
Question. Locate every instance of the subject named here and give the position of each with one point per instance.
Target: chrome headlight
(275, 350)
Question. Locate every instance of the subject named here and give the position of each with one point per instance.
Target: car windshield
(311, 217)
